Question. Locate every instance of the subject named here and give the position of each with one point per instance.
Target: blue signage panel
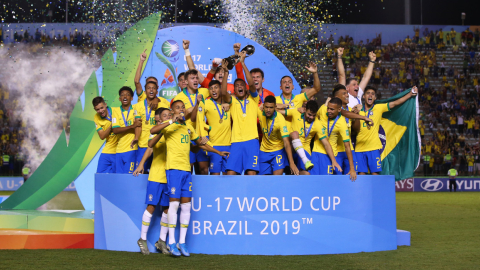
(258, 215)
(442, 184)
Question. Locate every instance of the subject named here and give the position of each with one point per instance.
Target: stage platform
(31, 229)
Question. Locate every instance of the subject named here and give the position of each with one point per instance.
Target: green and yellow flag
(400, 138)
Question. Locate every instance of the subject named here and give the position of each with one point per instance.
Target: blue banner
(14, 183)
(258, 215)
(442, 184)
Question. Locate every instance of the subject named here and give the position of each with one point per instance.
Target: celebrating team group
(223, 128)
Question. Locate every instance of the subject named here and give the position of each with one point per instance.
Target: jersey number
(379, 163)
(301, 131)
(185, 138)
(279, 159)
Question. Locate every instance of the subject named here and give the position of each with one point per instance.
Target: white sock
(184, 220)
(172, 221)
(298, 146)
(164, 227)
(147, 217)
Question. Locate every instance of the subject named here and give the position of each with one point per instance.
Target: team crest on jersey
(199, 109)
(291, 104)
(247, 101)
(114, 120)
(150, 197)
(189, 131)
(172, 191)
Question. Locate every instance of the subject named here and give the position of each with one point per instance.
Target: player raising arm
(368, 143)
(275, 144)
(157, 189)
(355, 90)
(103, 125)
(138, 86)
(178, 136)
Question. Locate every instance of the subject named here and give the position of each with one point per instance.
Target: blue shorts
(218, 163)
(272, 161)
(244, 156)
(342, 160)
(322, 164)
(299, 162)
(200, 156)
(106, 163)
(125, 162)
(179, 184)
(369, 161)
(157, 194)
(148, 163)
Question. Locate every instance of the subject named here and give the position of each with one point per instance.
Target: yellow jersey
(124, 118)
(244, 123)
(190, 100)
(178, 137)
(274, 130)
(148, 119)
(306, 131)
(295, 102)
(157, 170)
(333, 129)
(220, 134)
(367, 139)
(340, 145)
(103, 124)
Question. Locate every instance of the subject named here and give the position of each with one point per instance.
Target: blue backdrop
(262, 215)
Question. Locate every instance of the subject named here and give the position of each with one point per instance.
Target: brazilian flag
(400, 138)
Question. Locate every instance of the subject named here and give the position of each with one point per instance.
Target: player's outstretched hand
(199, 98)
(138, 170)
(282, 106)
(301, 110)
(135, 141)
(242, 56)
(137, 122)
(203, 140)
(186, 44)
(143, 56)
(369, 123)
(353, 175)
(328, 100)
(294, 169)
(224, 154)
(226, 107)
(236, 48)
(414, 91)
(224, 65)
(340, 51)
(312, 67)
(337, 167)
(260, 107)
(154, 104)
(357, 108)
(372, 56)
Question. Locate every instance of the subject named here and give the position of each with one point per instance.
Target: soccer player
(355, 90)
(178, 135)
(258, 77)
(127, 124)
(144, 110)
(275, 148)
(138, 86)
(243, 107)
(334, 127)
(192, 97)
(219, 125)
(157, 189)
(368, 143)
(103, 125)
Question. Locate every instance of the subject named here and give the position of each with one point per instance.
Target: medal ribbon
(283, 99)
(189, 98)
(307, 132)
(109, 116)
(346, 119)
(334, 122)
(243, 106)
(271, 126)
(218, 110)
(128, 113)
(147, 113)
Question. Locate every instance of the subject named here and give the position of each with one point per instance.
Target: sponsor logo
(431, 185)
(172, 190)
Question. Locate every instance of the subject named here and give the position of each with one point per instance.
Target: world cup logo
(169, 56)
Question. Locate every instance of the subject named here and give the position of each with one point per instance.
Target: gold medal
(146, 122)
(221, 121)
(244, 115)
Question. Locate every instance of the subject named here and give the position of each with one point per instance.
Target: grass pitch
(445, 230)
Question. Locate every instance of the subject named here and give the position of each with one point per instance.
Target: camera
(231, 60)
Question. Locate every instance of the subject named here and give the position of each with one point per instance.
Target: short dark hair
(212, 83)
(190, 72)
(270, 99)
(370, 88)
(175, 101)
(181, 75)
(238, 79)
(336, 101)
(312, 106)
(151, 83)
(125, 88)
(286, 76)
(337, 88)
(160, 110)
(349, 80)
(151, 77)
(258, 70)
(97, 100)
